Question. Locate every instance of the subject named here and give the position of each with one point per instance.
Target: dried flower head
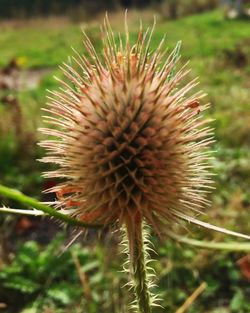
(130, 138)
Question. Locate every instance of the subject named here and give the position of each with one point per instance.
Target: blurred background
(38, 272)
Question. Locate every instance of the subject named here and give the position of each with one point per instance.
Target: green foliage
(45, 277)
(39, 277)
(186, 269)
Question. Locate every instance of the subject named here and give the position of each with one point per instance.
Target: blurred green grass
(212, 44)
(203, 36)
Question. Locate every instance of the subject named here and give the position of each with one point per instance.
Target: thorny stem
(20, 197)
(138, 268)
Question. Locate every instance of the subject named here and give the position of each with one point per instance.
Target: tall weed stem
(138, 267)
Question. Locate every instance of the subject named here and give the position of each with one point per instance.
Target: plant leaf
(210, 226)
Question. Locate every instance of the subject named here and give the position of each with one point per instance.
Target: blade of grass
(226, 246)
(190, 300)
(33, 212)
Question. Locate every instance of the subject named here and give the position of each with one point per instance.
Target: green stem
(20, 197)
(138, 268)
(226, 246)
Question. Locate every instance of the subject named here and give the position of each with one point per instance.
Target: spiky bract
(130, 140)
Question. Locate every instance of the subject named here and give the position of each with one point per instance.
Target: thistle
(131, 143)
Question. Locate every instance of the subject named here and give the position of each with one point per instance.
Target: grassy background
(41, 281)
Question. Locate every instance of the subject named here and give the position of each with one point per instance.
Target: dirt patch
(239, 55)
(12, 77)
(30, 79)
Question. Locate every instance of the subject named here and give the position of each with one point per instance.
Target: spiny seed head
(129, 139)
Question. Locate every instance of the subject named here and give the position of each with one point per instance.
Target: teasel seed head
(129, 136)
